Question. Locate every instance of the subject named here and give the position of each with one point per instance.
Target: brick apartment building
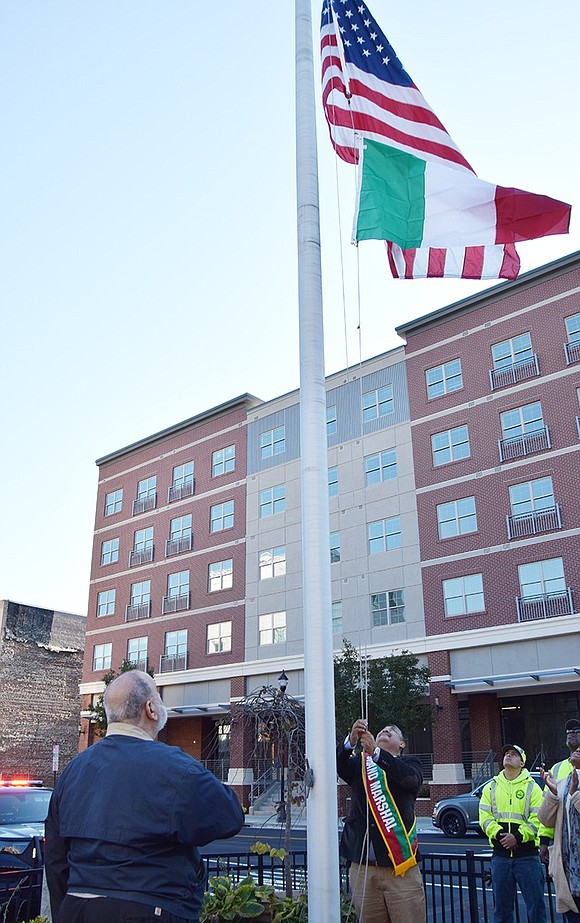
(454, 523)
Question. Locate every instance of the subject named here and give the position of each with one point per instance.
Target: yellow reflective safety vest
(511, 806)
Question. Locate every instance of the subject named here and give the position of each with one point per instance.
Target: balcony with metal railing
(142, 556)
(171, 663)
(572, 351)
(143, 504)
(138, 611)
(514, 373)
(175, 603)
(178, 545)
(526, 444)
(179, 491)
(544, 606)
(534, 522)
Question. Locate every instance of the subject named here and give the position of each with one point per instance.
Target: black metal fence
(457, 887)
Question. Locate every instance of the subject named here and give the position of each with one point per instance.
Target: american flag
(366, 93)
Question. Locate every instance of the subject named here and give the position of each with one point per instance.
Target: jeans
(528, 874)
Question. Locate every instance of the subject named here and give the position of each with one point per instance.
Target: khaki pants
(380, 896)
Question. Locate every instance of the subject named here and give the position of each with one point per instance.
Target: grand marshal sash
(401, 846)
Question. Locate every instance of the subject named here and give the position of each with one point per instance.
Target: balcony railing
(572, 351)
(145, 503)
(512, 374)
(546, 606)
(139, 611)
(175, 603)
(139, 664)
(179, 491)
(177, 545)
(170, 663)
(526, 444)
(536, 521)
(144, 556)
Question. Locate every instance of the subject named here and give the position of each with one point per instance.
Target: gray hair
(131, 706)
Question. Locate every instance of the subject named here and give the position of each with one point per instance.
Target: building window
(463, 595)
(387, 608)
(175, 656)
(523, 431)
(333, 482)
(573, 328)
(272, 563)
(114, 502)
(272, 500)
(443, 379)
(223, 461)
(273, 442)
(451, 445)
(106, 603)
(221, 516)
(337, 617)
(380, 467)
(544, 593)
(272, 628)
(532, 497)
(334, 547)
(457, 517)
(219, 638)
(183, 482)
(137, 652)
(142, 547)
(110, 551)
(180, 535)
(331, 420)
(384, 535)
(140, 605)
(220, 575)
(377, 403)
(177, 598)
(102, 654)
(511, 352)
(146, 495)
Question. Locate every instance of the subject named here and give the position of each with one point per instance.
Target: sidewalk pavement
(424, 824)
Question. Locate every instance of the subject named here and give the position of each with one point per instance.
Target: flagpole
(322, 813)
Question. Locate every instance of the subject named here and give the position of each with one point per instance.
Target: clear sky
(148, 228)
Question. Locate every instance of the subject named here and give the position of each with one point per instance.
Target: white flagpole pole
(322, 814)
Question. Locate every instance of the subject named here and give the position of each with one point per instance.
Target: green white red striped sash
(401, 846)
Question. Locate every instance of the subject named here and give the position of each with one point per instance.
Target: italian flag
(417, 203)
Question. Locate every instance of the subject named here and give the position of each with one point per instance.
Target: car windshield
(24, 807)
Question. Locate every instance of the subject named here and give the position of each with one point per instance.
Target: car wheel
(453, 824)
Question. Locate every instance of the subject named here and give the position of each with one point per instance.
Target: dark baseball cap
(516, 748)
(573, 724)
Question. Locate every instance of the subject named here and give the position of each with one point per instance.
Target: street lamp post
(283, 685)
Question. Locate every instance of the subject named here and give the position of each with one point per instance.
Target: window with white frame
(176, 643)
(183, 475)
(542, 578)
(106, 603)
(331, 420)
(384, 535)
(180, 529)
(456, 517)
(220, 575)
(522, 420)
(221, 516)
(102, 654)
(511, 352)
(387, 608)
(272, 628)
(273, 442)
(334, 547)
(463, 595)
(377, 403)
(147, 488)
(573, 328)
(178, 584)
(141, 593)
(137, 651)
(382, 466)
(219, 637)
(450, 445)
(272, 563)
(143, 540)
(333, 482)
(532, 496)
(114, 502)
(443, 379)
(223, 461)
(337, 617)
(272, 500)
(110, 551)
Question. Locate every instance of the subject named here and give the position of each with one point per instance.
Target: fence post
(472, 886)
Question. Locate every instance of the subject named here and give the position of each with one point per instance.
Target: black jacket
(405, 778)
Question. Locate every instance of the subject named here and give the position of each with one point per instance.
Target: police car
(23, 810)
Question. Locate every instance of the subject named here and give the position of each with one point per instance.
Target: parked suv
(455, 815)
(23, 810)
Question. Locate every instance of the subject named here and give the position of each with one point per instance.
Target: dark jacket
(125, 820)
(405, 777)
